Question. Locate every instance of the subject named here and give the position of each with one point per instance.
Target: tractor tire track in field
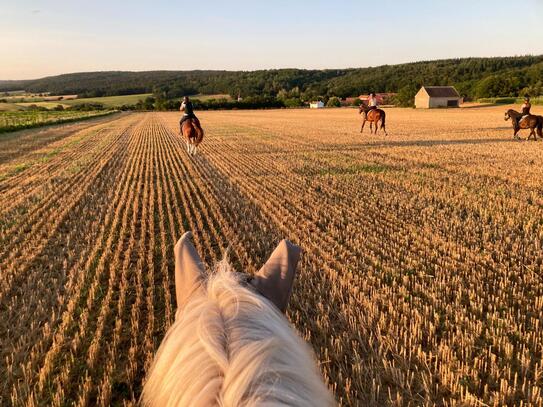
(61, 262)
(47, 219)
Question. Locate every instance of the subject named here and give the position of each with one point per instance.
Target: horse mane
(229, 347)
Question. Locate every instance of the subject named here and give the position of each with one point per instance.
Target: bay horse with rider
(525, 120)
(189, 126)
(370, 112)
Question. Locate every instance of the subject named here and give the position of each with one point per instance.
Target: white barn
(316, 105)
(437, 96)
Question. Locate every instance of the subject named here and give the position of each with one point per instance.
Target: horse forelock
(231, 347)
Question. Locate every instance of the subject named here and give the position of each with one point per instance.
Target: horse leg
(363, 123)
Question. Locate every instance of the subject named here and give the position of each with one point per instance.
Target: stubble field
(420, 282)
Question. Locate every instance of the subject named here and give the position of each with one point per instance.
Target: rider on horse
(525, 109)
(188, 113)
(371, 104)
(372, 101)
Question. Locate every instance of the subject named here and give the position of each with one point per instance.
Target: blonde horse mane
(230, 346)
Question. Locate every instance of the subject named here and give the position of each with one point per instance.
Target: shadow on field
(482, 105)
(413, 143)
(431, 143)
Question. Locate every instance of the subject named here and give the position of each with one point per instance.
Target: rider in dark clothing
(526, 106)
(525, 109)
(188, 113)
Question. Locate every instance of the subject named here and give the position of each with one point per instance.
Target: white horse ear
(189, 269)
(275, 279)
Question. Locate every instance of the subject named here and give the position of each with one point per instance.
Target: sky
(41, 38)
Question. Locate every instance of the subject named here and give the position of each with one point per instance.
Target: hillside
(474, 77)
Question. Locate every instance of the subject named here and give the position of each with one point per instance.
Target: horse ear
(275, 279)
(189, 269)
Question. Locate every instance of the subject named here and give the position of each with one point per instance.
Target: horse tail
(540, 126)
(383, 119)
(199, 134)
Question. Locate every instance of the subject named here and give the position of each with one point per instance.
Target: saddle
(524, 118)
(368, 110)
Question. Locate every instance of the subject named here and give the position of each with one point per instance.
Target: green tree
(333, 102)
(149, 103)
(406, 96)
(293, 102)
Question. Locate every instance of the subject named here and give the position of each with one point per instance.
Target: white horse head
(230, 345)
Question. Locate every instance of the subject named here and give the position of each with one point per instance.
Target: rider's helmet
(526, 98)
(372, 94)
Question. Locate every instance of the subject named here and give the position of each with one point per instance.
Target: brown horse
(372, 116)
(193, 134)
(531, 122)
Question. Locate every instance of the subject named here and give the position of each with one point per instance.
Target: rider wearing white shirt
(372, 101)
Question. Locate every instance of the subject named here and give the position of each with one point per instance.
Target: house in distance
(316, 104)
(437, 96)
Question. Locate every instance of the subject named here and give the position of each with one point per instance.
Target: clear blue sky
(39, 38)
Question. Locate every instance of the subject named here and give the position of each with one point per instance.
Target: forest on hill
(473, 77)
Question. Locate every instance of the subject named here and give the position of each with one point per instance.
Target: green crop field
(208, 97)
(10, 107)
(109, 101)
(17, 120)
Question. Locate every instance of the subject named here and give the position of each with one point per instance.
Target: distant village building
(316, 105)
(437, 96)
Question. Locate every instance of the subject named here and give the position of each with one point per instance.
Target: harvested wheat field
(421, 280)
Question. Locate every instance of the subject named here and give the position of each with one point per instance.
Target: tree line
(473, 77)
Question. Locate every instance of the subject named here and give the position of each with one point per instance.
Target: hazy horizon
(46, 38)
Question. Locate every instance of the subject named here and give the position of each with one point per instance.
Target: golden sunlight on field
(420, 281)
